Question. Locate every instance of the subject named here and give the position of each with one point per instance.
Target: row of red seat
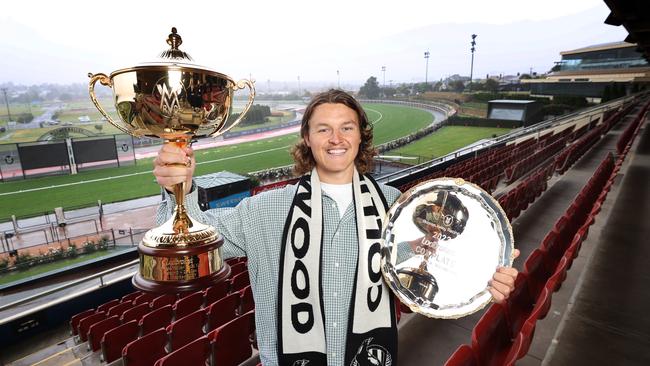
(505, 332)
(625, 140)
(227, 345)
(518, 198)
(520, 168)
(121, 320)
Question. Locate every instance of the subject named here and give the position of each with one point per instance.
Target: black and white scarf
(372, 332)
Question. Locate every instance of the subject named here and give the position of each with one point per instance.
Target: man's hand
(503, 282)
(174, 165)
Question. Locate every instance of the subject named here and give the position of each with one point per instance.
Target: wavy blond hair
(302, 156)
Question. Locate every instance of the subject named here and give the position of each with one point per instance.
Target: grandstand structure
(566, 184)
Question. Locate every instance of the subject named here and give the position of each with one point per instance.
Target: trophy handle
(106, 81)
(241, 84)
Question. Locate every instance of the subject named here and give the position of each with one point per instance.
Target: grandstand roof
(598, 47)
(634, 15)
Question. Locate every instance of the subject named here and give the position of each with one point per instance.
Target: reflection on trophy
(443, 239)
(176, 100)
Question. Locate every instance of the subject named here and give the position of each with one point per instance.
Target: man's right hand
(174, 165)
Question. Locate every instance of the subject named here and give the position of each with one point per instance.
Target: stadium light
(426, 70)
(471, 70)
(338, 82)
(383, 70)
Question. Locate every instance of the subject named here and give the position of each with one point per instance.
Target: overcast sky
(60, 42)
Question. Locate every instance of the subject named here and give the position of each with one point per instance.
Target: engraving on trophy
(169, 104)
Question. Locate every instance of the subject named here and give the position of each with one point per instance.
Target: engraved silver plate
(443, 240)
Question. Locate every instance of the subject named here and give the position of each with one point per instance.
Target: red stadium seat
(514, 351)
(215, 292)
(237, 268)
(156, 319)
(537, 271)
(230, 342)
(519, 304)
(162, 300)
(135, 313)
(186, 329)
(130, 297)
(196, 352)
(491, 337)
(96, 331)
(86, 323)
(222, 311)
(239, 281)
(555, 281)
(145, 351)
(463, 356)
(146, 297)
(542, 305)
(115, 339)
(120, 308)
(188, 305)
(246, 302)
(74, 321)
(105, 306)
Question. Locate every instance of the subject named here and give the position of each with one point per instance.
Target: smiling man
(313, 247)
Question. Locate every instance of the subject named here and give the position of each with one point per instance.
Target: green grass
(125, 183)
(446, 140)
(42, 268)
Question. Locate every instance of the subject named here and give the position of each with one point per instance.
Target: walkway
(603, 309)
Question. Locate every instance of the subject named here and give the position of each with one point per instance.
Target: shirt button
(334, 324)
(333, 205)
(335, 294)
(336, 264)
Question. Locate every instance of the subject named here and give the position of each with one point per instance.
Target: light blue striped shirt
(254, 229)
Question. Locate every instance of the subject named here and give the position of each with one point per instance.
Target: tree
(491, 85)
(457, 85)
(370, 89)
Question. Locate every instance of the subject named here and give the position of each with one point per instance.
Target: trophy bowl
(443, 240)
(177, 101)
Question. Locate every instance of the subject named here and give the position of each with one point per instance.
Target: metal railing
(66, 286)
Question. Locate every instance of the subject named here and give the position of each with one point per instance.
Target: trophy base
(180, 262)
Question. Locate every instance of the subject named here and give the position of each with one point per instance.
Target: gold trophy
(176, 100)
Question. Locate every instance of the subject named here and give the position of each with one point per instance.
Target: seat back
(222, 311)
(246, 300)
(74, 321)
(145, 351)
(107, 305)
(491, 337)
(188, 305)
(519, 304)
(215, 292)
(135, 313)
(463, 356)
(120, 308)
(186, 329)
(115, 339)
(159, 318)
(196, 352)
(87, 322)
(230, 344)
(162, 300)
(97, 330)
(239, 281)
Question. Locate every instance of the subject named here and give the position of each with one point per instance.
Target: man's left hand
(503, 282)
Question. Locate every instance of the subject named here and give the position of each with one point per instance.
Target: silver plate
(444, 239)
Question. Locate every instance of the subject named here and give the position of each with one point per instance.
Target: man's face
(334, 137)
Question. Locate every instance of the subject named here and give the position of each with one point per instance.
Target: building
(593, 71)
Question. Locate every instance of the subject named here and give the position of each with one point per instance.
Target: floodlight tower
(338, 77)
(426, 70)
(471, 70)
(383, 70)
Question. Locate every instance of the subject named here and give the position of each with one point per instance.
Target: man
(318, 298)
